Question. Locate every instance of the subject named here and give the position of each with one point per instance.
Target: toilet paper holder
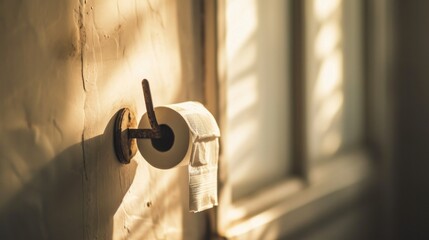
(126, 132)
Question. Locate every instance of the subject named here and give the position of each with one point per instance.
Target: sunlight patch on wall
(242, 93)
(326, 81)
(256, 94)
(325, 8)
(330, 76)
(240, 31)
(327, 39)
(126, 50)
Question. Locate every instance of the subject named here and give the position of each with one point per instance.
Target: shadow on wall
(51, 205)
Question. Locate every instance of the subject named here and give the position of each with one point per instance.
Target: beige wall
(66, 68)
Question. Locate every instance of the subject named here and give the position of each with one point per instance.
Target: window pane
(334, 80)
(257, 134)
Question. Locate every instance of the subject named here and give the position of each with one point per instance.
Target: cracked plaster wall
(66, 68)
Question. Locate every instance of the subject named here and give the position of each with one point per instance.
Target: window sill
(293, 202)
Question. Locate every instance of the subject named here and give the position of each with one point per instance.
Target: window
(291, 110)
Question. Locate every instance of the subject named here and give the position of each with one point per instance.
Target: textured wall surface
(66, 68)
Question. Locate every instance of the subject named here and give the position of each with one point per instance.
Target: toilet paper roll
(179, 153)
(189, 121)
(189, 137)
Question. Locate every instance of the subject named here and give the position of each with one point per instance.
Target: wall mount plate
(125, 147)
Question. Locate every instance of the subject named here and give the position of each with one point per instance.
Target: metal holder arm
(126, 131)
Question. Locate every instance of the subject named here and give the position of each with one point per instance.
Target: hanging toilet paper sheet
(195, 144)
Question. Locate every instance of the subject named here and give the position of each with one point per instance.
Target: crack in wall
(82, 42)
(82, 39)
